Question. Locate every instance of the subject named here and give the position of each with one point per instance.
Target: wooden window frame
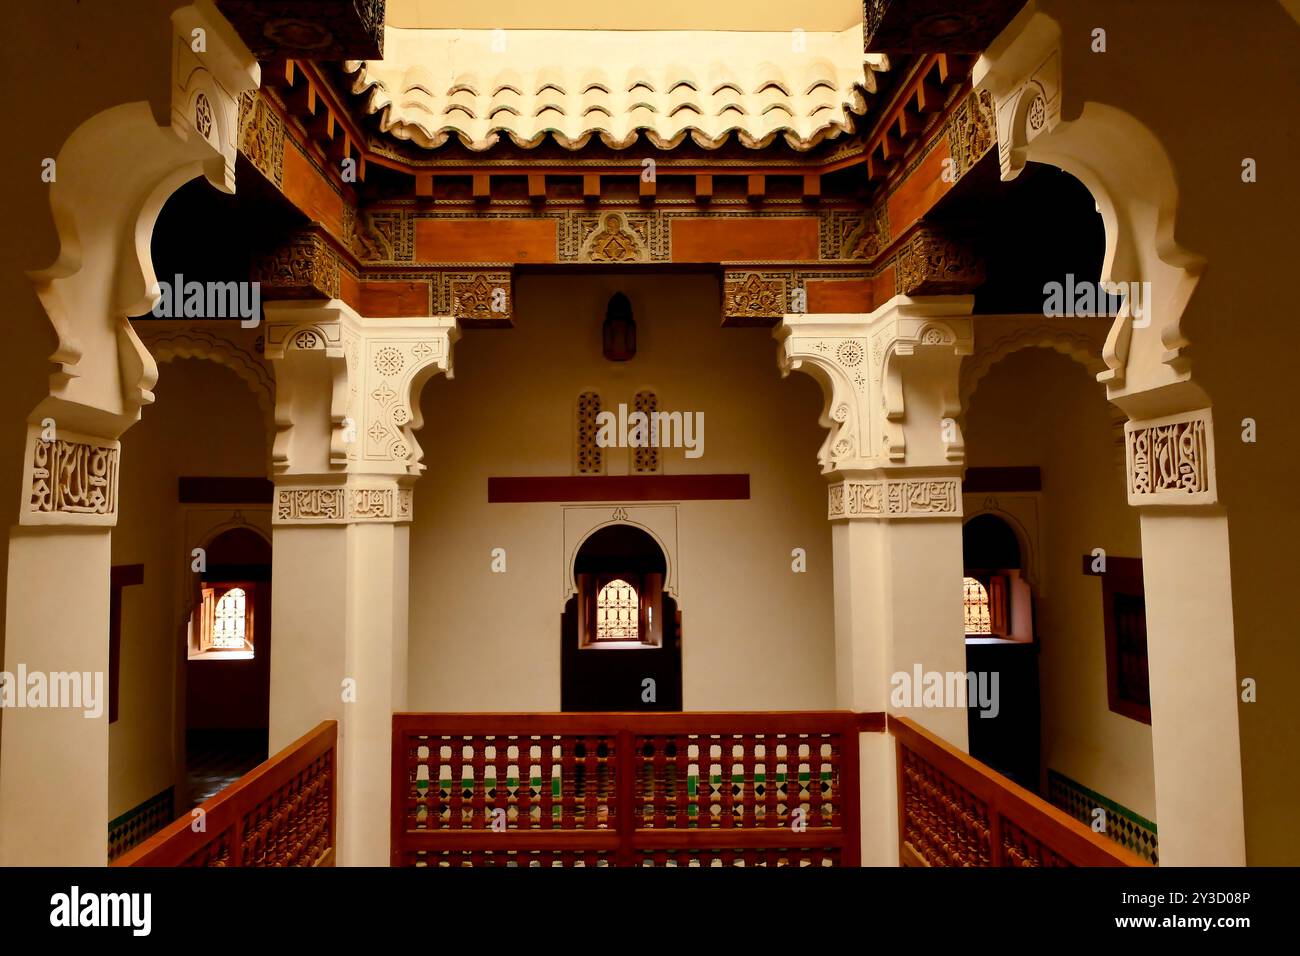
(210, 593)
(649, 590)
(1122, 577)
(999, 598)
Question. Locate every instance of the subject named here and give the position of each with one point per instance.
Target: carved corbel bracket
(1022, 70)
(367, 372)
(211, 69)
(862, 363)
(920, 343)
(833, 350)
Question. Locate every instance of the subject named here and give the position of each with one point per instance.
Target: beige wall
(1039, 407)
(205, 422)
(756, 635)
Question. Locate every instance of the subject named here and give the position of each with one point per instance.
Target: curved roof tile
(436, 84)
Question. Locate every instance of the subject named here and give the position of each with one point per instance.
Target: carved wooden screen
(589, 456)
(646, 458)
(955, 811)
(281, 813)
(756, 789)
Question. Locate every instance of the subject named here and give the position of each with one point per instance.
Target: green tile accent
(1130, 830)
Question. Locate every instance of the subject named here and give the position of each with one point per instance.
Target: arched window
(975, 601)
(236, 581)
(618, 612)
(996, 596)
(228, 619)
(620, 576)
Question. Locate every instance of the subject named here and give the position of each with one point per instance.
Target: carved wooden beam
(935, 262)
(327, 30)
(935, 26)
(374, 275)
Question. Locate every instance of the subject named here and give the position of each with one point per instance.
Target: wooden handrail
(627, 789)
(955, 811)
(281, 813)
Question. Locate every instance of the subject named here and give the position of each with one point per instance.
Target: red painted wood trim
(619, 488)
(1016, 478)
(225, 491)
(119, 576)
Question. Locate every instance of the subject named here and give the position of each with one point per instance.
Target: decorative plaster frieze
(1171, 460)
(894, 498)
(69, 480)
(349, 504)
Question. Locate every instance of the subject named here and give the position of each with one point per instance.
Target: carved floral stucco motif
(756, 295)
(932, 263)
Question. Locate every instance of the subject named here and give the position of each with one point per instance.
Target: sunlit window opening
(616, 612)
(976, 606)
(228, 622)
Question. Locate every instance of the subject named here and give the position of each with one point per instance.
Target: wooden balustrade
(955, 811)
(627, 789)
(281, 813)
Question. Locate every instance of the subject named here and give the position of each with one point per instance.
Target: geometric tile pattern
(139, 823)
(1123, 826)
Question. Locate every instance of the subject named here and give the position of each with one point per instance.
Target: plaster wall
(756, 636)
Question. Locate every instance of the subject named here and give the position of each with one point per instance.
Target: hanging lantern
(619, 331)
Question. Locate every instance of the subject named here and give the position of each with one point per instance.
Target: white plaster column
(112, 177)
(345, 458)
(893, 458)
(1191, 649)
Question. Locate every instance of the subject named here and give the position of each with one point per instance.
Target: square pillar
(893, 455)
(345, 458)
(1191, 648)
(339, 613)
(54, 759)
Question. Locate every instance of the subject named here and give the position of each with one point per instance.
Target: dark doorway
(621, 633)
(228, 673)
(1000, 640)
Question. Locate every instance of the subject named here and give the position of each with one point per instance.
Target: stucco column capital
(347, 401)
(890, 380)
